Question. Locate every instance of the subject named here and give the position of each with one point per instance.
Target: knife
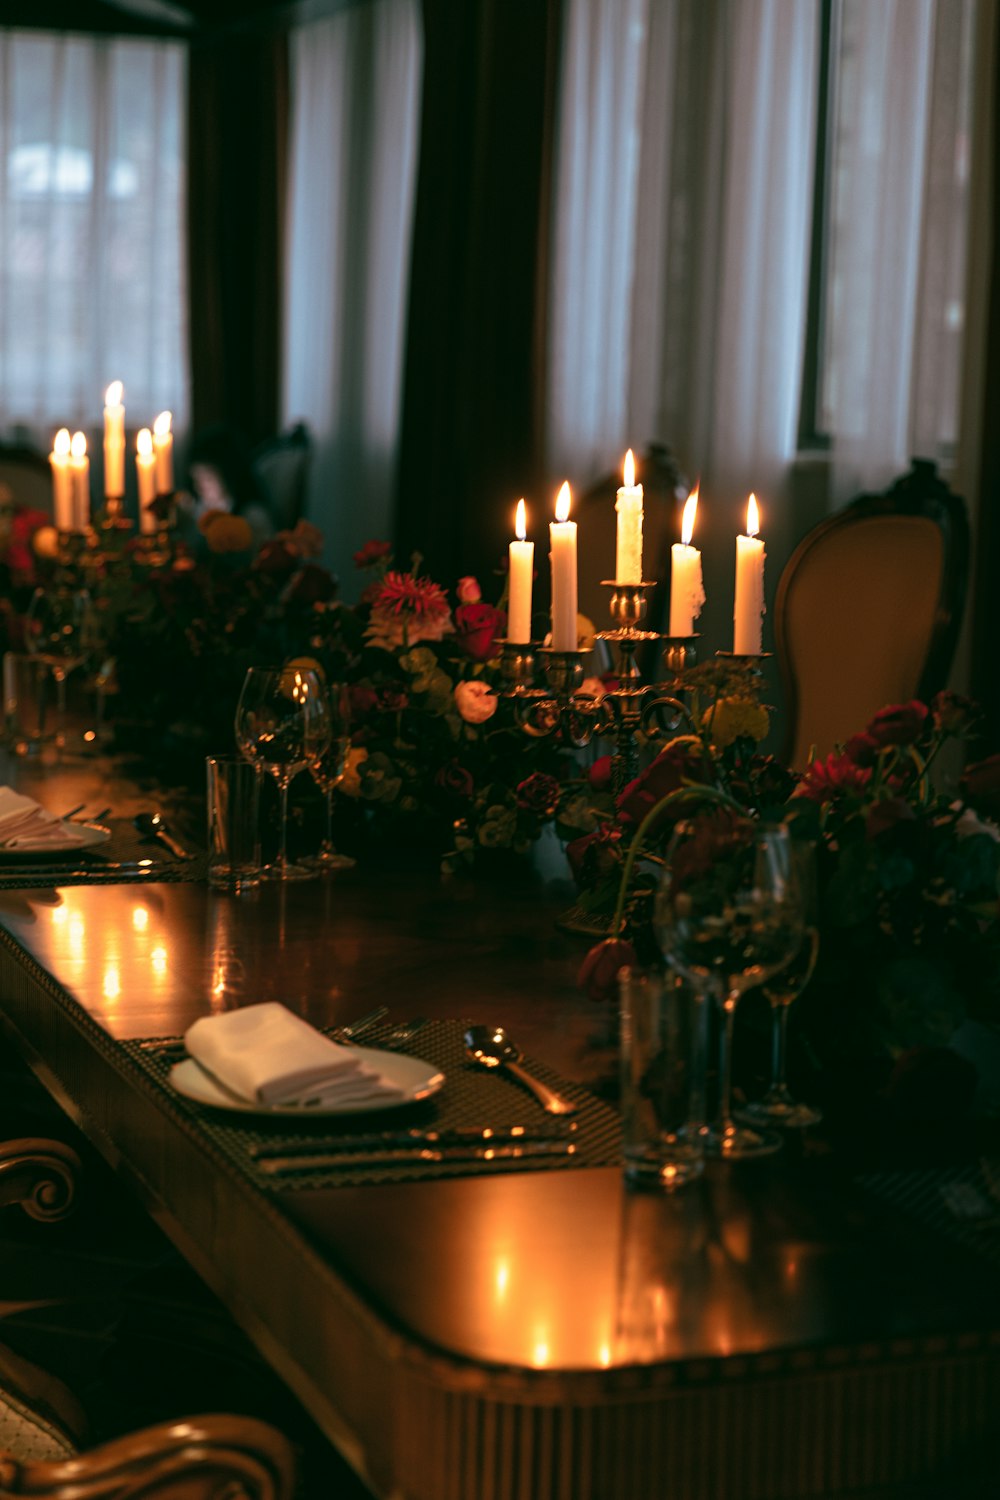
(416, 1156)
(414, 1138)
(9, 874)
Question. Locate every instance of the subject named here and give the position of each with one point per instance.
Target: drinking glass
(282, 724)
(778, 1106)
(327, 769)
(57, 627)
(728, 916)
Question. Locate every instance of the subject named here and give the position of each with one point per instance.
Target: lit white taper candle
(163, 446)
(562, 540)
(687, 592)
(62, 480)
(114, 441)
(522, 565)
(145, 473)
(80, 467)
(628, 556)
(748, 608)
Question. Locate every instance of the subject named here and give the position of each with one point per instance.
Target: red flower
(402, 593)
(453, 778)
(902, 724)
(391, 699)
(681, 763)
(373, 553)
(598, 974)
(826, 779)
(599, 774)
(862, 749)
(594, 855)
(363, 698)
(477, 629)
(981, 786)
(312, 585)
(539, 794)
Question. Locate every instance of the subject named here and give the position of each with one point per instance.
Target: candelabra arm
(654, 709)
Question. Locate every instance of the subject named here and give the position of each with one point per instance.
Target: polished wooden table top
(517, 1277)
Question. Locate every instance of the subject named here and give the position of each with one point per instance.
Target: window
(92, 186)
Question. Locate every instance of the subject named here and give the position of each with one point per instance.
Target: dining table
(477, 1323)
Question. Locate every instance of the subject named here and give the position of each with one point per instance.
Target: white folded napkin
(269, 1056)
(24, 824)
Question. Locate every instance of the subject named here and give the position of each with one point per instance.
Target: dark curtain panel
(986, 610)
(237, 150)
(473, 374)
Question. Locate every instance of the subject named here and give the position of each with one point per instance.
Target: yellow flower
(46, 542)
(350, 783)
(731, 719)
(225, 532)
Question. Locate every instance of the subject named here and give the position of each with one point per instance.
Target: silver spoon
(153, 826)
(492, 1048)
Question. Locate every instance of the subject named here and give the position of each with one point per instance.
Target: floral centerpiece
(907, 874)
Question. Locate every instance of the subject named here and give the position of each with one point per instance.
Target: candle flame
(60, 443)
(161, 426)
(629, 470)
(78, 447)
(753, 516)
(144, 442)
(687, 520)
(113, 394)
(562, 502)
(519, 525)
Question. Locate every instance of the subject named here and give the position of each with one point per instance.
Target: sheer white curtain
(92, 174)
(679, 283)
(898, 235)
(356, 92)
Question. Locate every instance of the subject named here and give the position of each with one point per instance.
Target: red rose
(598, 974)
(981, 786)
(453, 778)
(826, 779)
(594, 855)
(681, 763)
(862, 749)
(363, 698)
(392, 700)
(312, 585)
(477, 629)
(599, 774)
(373, 553)
(902, 724)
(539, 794)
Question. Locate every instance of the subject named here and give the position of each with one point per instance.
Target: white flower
(475, 702)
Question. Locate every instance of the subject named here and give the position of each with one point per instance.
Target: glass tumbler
(663, 1029)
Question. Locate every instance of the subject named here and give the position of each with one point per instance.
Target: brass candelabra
(624, 711)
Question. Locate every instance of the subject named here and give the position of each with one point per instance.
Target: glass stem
(328, 831)
(779, 1056)
(726, 1064)
(60, 678)
(283, 830)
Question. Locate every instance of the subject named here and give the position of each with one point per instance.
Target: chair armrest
(40, 1175)
(197, 1458)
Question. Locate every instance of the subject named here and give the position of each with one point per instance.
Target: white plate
(414, 1078)
(91, 835)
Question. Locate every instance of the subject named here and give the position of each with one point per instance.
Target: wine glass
(57, 627)
(777, 1106)
(327, 769)
(282, 724)
(728, 916)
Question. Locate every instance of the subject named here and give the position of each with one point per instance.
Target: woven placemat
(470, 1098)
(956, 1202)
(95, 866)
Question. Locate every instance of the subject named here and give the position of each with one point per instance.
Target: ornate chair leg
(41, 1176)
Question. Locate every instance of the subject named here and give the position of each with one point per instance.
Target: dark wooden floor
(104, 1303)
